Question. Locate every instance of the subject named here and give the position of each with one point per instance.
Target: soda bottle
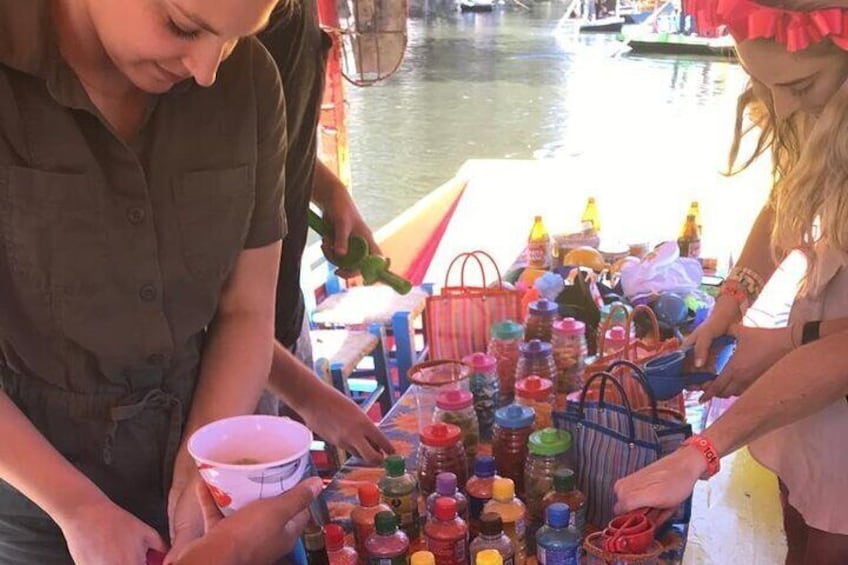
(591, 219)
(400, 491)
(689, 241)
(695, 210)
(538, 245)
(446, 533)
(556, 543)
(387, 545)
(363, 516)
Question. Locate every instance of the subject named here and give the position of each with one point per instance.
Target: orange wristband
(708, 450)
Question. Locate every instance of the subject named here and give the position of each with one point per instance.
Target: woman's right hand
(103, 533)
(724, 315)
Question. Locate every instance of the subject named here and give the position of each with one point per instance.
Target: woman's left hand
(339, 421)
(663, 485)
(757, 349)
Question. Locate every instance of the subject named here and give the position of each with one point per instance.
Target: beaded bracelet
(749, 280)
(733, 289)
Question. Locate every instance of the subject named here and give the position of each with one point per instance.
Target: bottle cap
(395, 466)
(440, 435)
(484, 466)
(534, 387)
(422, 558)
(558, 515)
(616, 335)
(445, 508)
(515, 416)
(369, 494)
(313, 538)
(480, 362)
(489, 557)
(564, 480)
(385, 523)
(570, 326)
(446, 484)
(544, 307)
(503, 490)
(507, 330)
(454, 399)
(491, 524)
(536, 348)
(334, 537)
(549, 441)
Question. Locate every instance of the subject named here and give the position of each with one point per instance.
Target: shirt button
(155, 359)
(147, 293)
(135, 215)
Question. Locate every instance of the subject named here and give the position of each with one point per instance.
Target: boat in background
(476, 6)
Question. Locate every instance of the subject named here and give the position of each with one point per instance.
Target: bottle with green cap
(387, 545)
(400, 491)
(548, 450)
(565, 491)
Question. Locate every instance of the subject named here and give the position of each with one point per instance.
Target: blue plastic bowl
(665, 375)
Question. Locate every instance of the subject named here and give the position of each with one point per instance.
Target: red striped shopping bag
(458, 319)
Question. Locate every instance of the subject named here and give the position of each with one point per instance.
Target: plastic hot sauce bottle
(400, 491)
(446, 534)
(362, 517)
(337, 552)
(387, 545)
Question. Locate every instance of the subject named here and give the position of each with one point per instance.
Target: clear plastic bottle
(400, 491)
(488, 557)
(492, 536)
(513, 515)
(440, 449)
(548, 452)
(485, 386)
(387, 545)
(537, 358)
(479, 489)
(565, 490)
(457, 407)
(540, 320)
(615, 340)
(537, 393)
(446, 487)
(313, 543)
(337, 552)
(362, 517)
(570, 350)
(513, 426)
(556, 543)
(504, 345)
(446, 534)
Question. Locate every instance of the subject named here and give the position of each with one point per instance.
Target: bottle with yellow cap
(591, 218)
(513, 515)
(422, 558)
(489, 557)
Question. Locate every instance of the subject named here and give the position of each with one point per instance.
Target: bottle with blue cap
(556, 542)
(513, 426)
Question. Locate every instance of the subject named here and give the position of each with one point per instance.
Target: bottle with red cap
(570, 350)
(485, 386)
(446, 534)
(440, 450)
(362, 517)
(537, 393)
(337, 552)
(457, 407)
(540, 320)
(446, 487)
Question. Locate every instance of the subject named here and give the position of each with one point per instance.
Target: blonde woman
(793, 381)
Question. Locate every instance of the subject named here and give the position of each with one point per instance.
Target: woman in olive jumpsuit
(142, 145)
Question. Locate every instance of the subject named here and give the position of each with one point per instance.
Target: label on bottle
(475, 506)
(396, 560)
(406, 512)
(537, 254)
(448, 552)
(558, 555)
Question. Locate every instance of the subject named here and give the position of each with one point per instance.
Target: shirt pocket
(53, 238)
(214, 209)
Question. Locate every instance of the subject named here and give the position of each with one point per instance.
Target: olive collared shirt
(112, 254)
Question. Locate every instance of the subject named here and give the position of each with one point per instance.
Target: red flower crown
(745, 20)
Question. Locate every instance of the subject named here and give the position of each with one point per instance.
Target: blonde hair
(810, 171)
